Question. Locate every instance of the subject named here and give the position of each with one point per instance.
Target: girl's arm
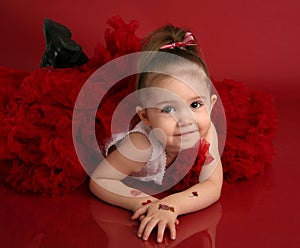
(199, 196)
(130, 157)
(203, 194)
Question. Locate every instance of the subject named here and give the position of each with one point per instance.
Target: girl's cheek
(159, 134)
(203, 125)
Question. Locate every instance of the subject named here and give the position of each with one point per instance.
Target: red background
(255, 41)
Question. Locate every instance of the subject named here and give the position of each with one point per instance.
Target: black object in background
(61, 51)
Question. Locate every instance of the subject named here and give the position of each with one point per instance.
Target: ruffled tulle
(251, 124)
(37, 150)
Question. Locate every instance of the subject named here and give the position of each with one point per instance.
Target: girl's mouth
(186, 133)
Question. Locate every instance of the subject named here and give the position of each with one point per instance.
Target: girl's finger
(172, 229)
(148, 228)
(142, 226)
(139, 212)
(160, 231)
(142, 217)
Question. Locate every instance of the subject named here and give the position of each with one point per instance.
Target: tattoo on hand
(166, 207)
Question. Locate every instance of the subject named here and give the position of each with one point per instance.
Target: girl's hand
(157, 214)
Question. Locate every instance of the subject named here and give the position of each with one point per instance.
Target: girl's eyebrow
(165, 102)
(174, 101)
(197, 97)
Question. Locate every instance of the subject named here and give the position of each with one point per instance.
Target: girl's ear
(142, 113)
(213, 100)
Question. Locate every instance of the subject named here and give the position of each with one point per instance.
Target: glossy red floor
(263, 212)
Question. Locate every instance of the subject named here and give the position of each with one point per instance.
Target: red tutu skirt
(36, 144)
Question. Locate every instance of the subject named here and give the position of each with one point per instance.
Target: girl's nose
(184, 118)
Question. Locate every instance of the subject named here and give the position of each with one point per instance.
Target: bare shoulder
(136, 146)
(139, 141)
(131, 154)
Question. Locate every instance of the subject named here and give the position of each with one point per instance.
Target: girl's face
(178, 112)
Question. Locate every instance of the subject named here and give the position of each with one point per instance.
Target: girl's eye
(196, 105)
(168, 109)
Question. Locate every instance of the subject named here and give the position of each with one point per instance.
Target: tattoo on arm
(194, 194)
(146, 202)
(135, 192)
